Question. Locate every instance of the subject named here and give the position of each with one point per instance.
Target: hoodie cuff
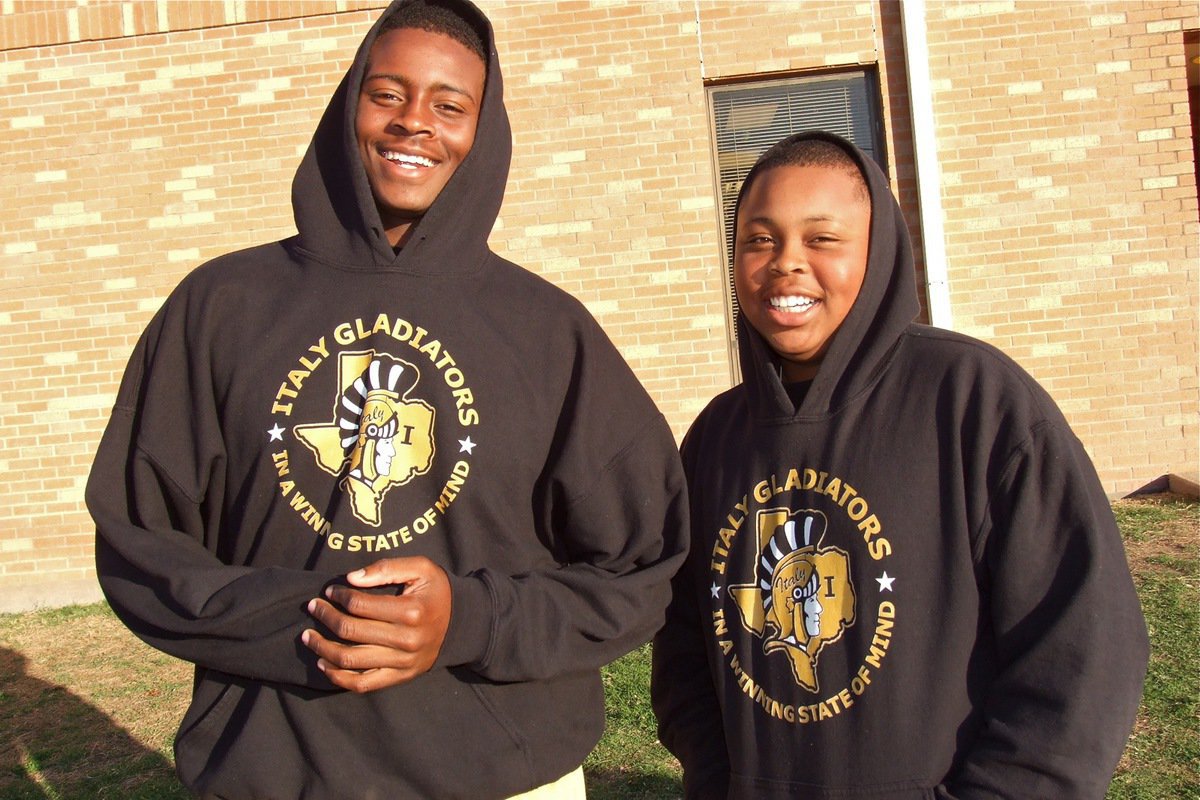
(469, 635)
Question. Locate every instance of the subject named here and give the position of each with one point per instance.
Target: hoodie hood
(887, 304)
(335, 210)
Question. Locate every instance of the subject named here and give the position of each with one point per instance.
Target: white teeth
(792, 303)
(401, 158)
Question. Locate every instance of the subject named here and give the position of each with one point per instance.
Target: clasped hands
(382, 640)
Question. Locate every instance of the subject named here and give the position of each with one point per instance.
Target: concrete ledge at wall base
(32, 597)
(1186, 485)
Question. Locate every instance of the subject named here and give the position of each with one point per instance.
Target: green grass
(88, 713)
(629, 762)
(1162, 758)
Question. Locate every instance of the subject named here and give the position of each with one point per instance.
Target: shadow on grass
(610, 783)
(55, 746)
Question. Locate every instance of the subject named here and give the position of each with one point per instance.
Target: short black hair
(435, 16)
(798, 151)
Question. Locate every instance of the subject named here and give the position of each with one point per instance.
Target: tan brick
(629, 228)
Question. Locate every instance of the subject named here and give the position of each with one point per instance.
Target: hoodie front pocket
(213, 704)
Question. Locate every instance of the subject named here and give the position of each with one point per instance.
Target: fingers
(362, 682)
(401, 609)
(393, 571)
(358, 657)
(379, 640)
(423, 605)
(394, 622)
(361, 668)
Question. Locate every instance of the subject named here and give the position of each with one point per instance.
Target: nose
(789, 257)
(413, 118)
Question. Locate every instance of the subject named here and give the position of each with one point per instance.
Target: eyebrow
(437, 87)
(764, 220)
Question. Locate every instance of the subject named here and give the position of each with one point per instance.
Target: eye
(452, 109)
(823, 239)
(758, 240)
(386, 97)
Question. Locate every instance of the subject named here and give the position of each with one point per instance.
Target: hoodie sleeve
(683, 695)
(626, 539)
(612, 506)
(1070, 639)
(155, 493)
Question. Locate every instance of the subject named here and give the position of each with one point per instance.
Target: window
(748, 118)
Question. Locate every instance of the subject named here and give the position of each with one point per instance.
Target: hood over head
(886, 305)
(332, 202)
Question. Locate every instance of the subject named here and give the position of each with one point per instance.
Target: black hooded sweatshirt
(910, 585)
(301, 409)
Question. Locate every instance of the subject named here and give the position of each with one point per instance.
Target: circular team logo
(378, 431)
(791, 588)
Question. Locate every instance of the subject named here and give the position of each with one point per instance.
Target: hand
(385, 639)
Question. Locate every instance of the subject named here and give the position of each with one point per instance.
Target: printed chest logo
(378, 431)
(783, 570)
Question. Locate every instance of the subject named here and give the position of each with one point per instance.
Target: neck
(397, 232)
(794, 372)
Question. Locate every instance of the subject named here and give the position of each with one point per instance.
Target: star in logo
(885, 583)
(466, 446)
(716, 591)
(276, 433)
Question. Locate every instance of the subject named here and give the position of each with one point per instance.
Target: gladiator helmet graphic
(802, 598)
(369, 415)
(379, 437)
(790, 583)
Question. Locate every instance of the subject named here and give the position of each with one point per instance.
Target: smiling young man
(905, 580)
(801, 258)
(417, 113)
(397, 528)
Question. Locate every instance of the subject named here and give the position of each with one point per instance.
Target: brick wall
(141, 138)
(127, 159)
(1070, 200)
(612, 190)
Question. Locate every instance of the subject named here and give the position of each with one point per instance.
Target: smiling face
(800, 255)
(417, 113)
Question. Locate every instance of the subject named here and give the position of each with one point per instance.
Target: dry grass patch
(86, 710)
